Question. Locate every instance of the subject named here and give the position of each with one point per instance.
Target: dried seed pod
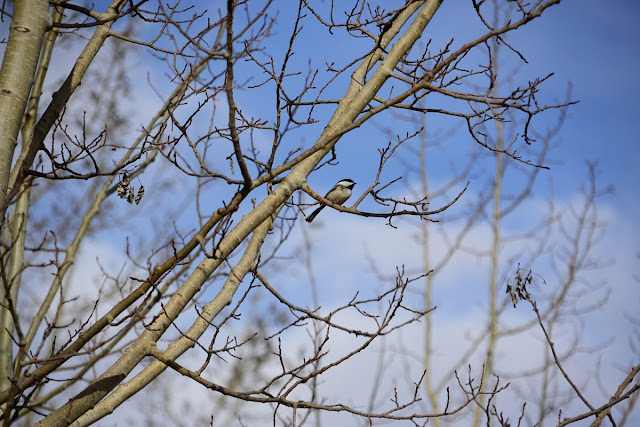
(139, 195)
(122, 190)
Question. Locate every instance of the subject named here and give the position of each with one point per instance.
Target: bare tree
(195, 160)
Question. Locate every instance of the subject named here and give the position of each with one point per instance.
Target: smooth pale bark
(20, 212)
(30, 21)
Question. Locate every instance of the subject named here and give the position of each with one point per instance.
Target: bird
(339, 194)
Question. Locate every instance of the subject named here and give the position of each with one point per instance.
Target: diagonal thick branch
(358, 96)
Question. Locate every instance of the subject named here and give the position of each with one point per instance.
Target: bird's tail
(314, 214)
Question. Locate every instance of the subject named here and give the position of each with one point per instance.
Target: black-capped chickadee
(339, 194)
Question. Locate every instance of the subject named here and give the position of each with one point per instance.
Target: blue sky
(594, 45)
(590, 44)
